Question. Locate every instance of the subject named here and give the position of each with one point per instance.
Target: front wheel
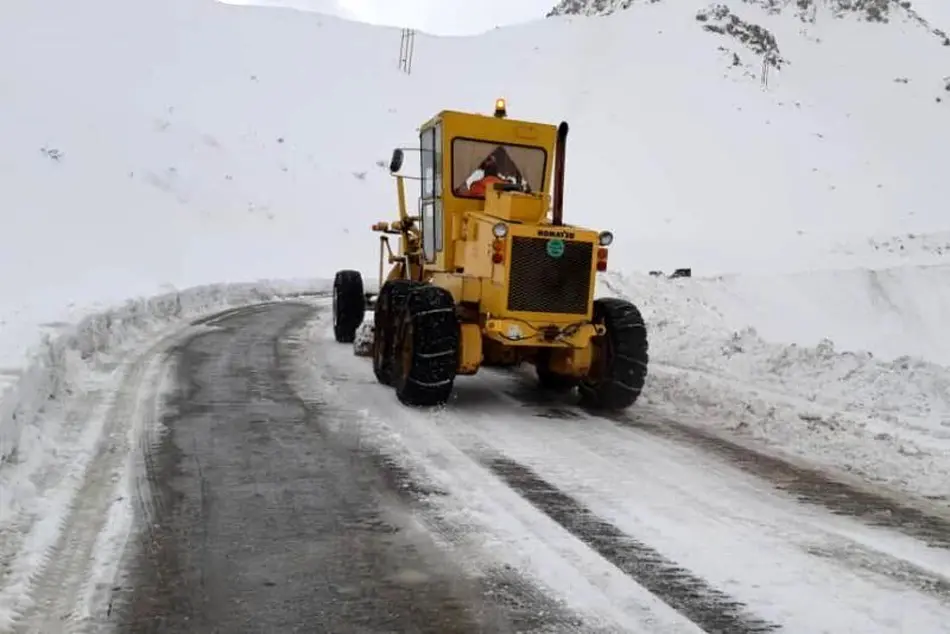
(349, 305)
(621, 356)
(426, 347)
(389, 305)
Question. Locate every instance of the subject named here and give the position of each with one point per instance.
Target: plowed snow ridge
(822, 378)
(53, 420)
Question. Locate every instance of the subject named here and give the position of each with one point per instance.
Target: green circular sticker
(555, 248)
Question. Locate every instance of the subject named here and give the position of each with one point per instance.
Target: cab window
(428, 163)
(475, 163)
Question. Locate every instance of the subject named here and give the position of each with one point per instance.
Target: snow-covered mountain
(805, 10)
(865, 82)
(698, 139)
(745, 24)
(589, 7)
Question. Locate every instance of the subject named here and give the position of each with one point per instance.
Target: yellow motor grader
(487, 273)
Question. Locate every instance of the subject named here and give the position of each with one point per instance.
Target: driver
(489, 178)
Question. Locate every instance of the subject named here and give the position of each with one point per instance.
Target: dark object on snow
(688, 272)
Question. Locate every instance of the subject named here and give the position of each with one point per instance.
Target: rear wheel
(620, 356)
(349, 305)
(426, 347)
(389, 304)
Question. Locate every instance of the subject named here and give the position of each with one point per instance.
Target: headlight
(605, 238)
(500, 230)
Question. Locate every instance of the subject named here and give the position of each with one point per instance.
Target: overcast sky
(446, 17)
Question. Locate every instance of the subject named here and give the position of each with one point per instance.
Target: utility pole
(407, 45)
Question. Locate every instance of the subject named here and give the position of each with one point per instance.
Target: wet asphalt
(259, 517)
(262, 522)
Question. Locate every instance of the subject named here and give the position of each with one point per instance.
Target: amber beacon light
(501, 108)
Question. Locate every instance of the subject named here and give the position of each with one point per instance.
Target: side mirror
(396, 163)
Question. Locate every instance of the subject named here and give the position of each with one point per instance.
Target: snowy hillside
(179, 163)
(794, 158)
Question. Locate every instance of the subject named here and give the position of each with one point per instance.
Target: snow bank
(50, 418)
(827, 382)
(892, 312)
(31, 407)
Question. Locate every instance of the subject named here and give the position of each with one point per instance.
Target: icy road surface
(290, 491)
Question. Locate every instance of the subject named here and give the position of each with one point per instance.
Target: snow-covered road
(647, 523)
(253, 447)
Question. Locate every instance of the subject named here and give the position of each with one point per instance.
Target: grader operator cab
(484, 277)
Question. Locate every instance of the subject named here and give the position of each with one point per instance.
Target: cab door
(430, 201)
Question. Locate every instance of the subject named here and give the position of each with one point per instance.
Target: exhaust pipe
(557, 215)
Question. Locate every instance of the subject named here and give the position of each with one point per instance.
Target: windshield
(520, 165)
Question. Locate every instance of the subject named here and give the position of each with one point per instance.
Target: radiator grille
(544, 284)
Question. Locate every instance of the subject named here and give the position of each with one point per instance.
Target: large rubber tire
(426, 348)
(389, 305)
(349, 305)
(621, 357)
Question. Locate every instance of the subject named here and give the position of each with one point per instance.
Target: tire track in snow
(860, 559)
(25, 537)
(860, 555)
(707, 607)
(527, 607)
(866, 561)
(810, 485)
(551, 580)
(806, 484)
(58, 588)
